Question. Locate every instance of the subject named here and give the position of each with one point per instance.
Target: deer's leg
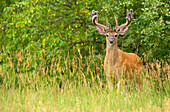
(118, 79)
(111, 85)
(110, 82)
(138, 82)
(138, 79)
(118, 84)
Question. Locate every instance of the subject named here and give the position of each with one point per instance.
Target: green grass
(77, 85)
(87, 99)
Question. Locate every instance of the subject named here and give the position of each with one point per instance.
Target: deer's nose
(111, 41)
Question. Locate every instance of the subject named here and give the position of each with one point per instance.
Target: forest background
(60, 26)
(54, 43)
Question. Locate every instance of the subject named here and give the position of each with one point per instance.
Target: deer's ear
(123, 30)
(100, 30)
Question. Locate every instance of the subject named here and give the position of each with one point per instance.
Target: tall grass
(31, 82)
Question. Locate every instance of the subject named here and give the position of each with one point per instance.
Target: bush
(45, 32)
(57, 27)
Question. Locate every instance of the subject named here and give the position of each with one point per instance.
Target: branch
(68, 5)
(57, 20)
(52, 3)
(85, 41)
(56, 1)
(68, 1)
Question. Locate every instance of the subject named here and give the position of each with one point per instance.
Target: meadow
(51, 56)
(77, 84)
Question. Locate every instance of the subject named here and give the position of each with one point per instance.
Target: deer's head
(111, 35)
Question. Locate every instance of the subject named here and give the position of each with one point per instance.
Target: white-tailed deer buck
(118, 64)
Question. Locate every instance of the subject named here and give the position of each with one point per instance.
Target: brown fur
(119, 64)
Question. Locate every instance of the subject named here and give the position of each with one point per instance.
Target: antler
(129, 18)
(95, 21)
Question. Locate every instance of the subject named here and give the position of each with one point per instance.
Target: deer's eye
(116, 35)
(107, 35)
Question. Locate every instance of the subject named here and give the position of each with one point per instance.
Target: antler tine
(94, 16)
(116, 23)
(129, 18)
(95, 20)
(131, 11)
(127, 12)
(107, 23)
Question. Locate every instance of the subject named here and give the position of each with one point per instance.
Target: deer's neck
(112, 54)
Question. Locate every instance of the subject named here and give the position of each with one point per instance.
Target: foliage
(49, 49)
(58, 26)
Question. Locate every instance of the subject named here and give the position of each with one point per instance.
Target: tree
(49, 27)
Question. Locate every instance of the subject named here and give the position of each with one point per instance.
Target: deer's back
(130, 63)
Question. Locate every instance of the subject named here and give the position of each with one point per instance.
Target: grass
(81, 99)
(28, 84)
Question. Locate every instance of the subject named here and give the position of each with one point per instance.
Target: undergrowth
(31, 83)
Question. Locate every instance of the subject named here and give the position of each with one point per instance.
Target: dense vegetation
(79, 85)
(49, 50)
(59, 26)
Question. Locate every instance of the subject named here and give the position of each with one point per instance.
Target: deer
(118, 64)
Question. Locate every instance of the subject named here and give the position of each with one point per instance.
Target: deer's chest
(111, 62)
